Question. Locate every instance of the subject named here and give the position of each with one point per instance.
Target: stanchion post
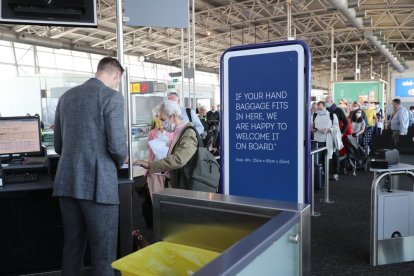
(326, 194)
(313, 213)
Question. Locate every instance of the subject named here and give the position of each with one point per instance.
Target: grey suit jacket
(90, 138)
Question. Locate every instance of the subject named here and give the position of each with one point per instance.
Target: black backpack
(202, 172)
(354, 149)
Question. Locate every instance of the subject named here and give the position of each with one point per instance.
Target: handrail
(374, 211)
(318, 150)
(326, 193)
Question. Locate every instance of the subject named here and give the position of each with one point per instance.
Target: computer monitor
(19, 135)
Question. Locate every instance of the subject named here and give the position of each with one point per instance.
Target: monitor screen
(49, 12)
(404, 87)
(19, 135)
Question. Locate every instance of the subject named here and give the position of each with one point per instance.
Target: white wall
(20, 95)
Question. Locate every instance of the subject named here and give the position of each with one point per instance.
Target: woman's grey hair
(171, 108)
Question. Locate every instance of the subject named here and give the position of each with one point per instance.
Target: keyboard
(15, 178)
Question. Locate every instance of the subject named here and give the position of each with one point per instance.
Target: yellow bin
(164, 258)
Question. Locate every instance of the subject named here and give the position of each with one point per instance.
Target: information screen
(19, 135)
(404, 87)
(263, 123)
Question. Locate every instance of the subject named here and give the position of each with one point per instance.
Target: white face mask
(321, 111)
(358, 115)
(168, 126)
(354, 108)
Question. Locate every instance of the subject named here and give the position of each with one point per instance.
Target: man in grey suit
(90, 138)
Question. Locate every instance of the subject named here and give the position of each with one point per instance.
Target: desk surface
(396, 167)
(44, 183)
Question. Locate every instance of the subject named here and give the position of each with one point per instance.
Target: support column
(15, 58)
(182, 67)
(357, 71)
(289, 19)
(332, 57)
(194, 57)
(123, 84)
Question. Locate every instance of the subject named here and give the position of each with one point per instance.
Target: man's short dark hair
(412, 107)
(397, 101)
(108, 64)
(174, 93)
(322, 103)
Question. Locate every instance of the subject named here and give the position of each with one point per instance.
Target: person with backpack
(188, 165)
(341, 116)
(322, 123)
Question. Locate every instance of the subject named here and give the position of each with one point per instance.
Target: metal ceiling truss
(224, 23)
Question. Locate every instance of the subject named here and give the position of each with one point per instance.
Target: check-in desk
(31, 234)
(254, 236)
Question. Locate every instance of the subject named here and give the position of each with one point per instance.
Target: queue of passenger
(360, 121)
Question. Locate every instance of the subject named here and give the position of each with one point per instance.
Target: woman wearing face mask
(358, 125)
(156, 181)
(355, 107)
(182, 148)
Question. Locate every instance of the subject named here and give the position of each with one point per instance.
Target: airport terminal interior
(303, 114)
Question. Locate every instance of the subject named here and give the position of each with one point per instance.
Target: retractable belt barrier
(326, 194)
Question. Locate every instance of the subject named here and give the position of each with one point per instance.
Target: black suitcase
(319, 177)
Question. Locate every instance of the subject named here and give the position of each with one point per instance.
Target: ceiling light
(208, 33)
(353, 4)
(367, 21)
(377, 32)
(141, 58)
(360, 13)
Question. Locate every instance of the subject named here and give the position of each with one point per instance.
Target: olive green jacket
(181, 154)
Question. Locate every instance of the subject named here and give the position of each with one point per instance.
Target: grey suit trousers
(87, 220)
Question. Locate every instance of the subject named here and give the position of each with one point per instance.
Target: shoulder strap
(332, 117)
(199, 140)
(188, 111)
(314, 116)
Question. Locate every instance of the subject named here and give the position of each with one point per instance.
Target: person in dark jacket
(340, 114)
(91, 141)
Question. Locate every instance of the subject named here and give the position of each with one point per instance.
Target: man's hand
(325, 130)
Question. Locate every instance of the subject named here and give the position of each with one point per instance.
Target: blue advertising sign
(265, 125)
(404, 87)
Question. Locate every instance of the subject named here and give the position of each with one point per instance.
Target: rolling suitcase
(319, 177)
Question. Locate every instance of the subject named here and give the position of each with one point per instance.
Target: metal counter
(250, 233)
